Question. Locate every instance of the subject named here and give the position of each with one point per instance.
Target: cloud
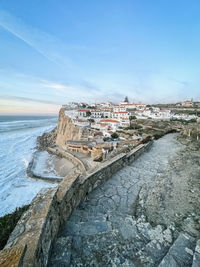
(49, 47)
(42, 42)
(57, 86)
(26, 99)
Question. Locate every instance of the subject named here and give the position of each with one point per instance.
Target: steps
(120, 240)
(180, 253)
(151, 254)
(196, 258)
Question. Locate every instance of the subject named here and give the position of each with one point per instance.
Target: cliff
(47, 140)
(66, 130)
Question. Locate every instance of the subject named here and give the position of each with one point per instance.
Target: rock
(47, 140)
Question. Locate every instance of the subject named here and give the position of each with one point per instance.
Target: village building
(96, 113)
(124, 122)
(187, 103)
(106, 113)
(111, 124)
(119, 108)
(80, 146)
(121, 114)
(82, 112)
(80, 122)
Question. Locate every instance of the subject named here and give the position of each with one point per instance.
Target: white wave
(16, 148)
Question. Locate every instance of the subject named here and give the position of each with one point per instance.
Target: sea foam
(17, 144)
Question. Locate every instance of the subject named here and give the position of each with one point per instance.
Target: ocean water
(17, 143)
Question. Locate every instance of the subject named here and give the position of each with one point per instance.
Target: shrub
(114, 135)
(88, 113)
(132, 118)
(8, 223)
(135, 126)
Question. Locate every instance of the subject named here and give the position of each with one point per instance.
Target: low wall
(31, 240)
(64, 154)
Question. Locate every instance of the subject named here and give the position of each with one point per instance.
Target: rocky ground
(111, 227)
(47, 140)
(174, 195)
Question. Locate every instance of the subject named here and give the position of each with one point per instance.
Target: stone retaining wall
(32, 238)
(64, 154)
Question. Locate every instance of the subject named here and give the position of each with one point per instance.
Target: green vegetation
(91, 107)
(134, 126)
(184, 121)
(186, 111)
(114, 135)
(88, 113)
(132, 118)
(8, 223)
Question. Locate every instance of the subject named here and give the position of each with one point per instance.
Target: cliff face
(47, 140)
(66, 130)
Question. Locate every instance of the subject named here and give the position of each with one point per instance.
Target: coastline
(48, 167)
(17, 144)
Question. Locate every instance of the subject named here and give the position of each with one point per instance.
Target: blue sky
(55, 51)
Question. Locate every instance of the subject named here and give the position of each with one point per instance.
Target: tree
(126, 99)
(114, 135)
(132, 117)
(88, 113)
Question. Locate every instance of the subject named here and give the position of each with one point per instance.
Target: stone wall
(64, 154)
(32, 238)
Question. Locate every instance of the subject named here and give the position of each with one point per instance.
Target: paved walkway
(102, 231)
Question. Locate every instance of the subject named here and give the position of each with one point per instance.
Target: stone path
(102, 231)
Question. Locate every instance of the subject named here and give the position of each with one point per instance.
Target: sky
(57, 51)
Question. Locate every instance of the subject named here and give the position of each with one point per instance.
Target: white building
(161, 114)
(124, 122)
(119, 115)
(146, 113)
(111, 124)
(106, 113)
(96, 113)
(82, 123)
(82, 112)
(119, 108)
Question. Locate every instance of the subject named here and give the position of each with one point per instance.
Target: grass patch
(8, 223)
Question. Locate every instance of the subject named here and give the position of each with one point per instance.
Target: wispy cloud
(47, 45)
(57, 86)
(27, 99)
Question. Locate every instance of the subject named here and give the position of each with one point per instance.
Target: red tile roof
(110, 121)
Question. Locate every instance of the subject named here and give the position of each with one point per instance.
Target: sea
(17, 144)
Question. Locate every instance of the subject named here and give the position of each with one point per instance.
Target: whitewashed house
(124, 122)
(96, 113)
(119, 115)
(80, 122)
(82, 112)
(111, 124)
(119, 108)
